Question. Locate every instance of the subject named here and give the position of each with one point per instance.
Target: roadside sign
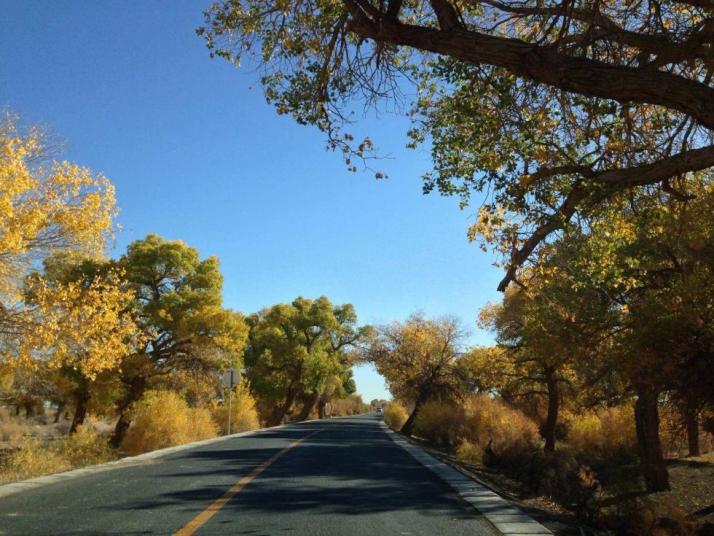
(230, 378)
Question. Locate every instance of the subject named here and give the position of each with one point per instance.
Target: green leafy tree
(178, 304)
(554, 109)
(293, 349)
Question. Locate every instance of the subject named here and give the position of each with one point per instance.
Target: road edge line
(13, 488)
(507, 518)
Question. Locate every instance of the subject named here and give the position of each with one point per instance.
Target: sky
(196, 154)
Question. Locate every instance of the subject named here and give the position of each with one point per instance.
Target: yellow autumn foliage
(244, 415)
(86, 326)
(395, 415)
(603, 433)
(164, 419)
(45, 205)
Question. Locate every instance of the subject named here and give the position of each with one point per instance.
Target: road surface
(324, 478)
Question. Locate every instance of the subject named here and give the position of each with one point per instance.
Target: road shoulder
(506, 518)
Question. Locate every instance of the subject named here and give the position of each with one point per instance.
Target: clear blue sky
(196, 154)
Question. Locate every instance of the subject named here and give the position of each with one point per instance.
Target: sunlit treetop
(550, 108)
(46, 206)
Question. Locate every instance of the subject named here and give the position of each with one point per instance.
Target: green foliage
(295, 348)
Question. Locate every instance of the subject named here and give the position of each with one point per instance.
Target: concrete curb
(40, 481)
(505, 517)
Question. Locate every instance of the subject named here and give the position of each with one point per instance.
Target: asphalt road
(346, 477)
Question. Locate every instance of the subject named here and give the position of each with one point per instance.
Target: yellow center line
(197, 522)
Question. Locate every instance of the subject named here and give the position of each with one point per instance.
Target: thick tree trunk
(691, 418)
(308, 406)
(654, 469)
(29, 409)
(81, 399)
(551, 420)
(282, 410)
(136, 391)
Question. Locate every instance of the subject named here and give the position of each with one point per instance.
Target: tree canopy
(553, 109)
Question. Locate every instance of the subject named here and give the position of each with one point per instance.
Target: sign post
(230, 380)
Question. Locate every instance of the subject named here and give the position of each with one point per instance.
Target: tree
(555, 108)
(82, 325)
(293, 349)
(418, 359)
(178, 305)
(543, 329)
(46, 207)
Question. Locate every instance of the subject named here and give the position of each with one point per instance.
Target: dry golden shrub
(505, 433)
(244, 415)
(350, 405)
(32, 459)
(606, 433)
(164, 419)
(395, 415)
(11, 430)
(440, 423)
(85, 447)
(469, 452)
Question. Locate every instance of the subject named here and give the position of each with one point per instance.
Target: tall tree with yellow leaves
(82, 325)
(46, 206)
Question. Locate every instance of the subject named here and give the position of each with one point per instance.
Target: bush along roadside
(500, 445)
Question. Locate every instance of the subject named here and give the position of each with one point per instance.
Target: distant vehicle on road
(379, 410)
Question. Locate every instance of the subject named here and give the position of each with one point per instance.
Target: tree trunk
(282, 410)
(551, 420)
(654, 469)
(60, 408)
(308, 406)
(409, 425)
(81, 399)
(691, 418)
(29, 409)
(136, 391)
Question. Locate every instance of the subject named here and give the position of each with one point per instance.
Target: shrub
(164, 419)
(244, 415)
(469, 452)
(33, 459)
(10, 429)
(506, 435)
(645, 517)
(441, 423)
(85, 447)
(607, 433)
(395, 415)
(351, 405)
(560, 476)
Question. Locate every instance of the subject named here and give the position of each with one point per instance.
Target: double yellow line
(197, 522)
